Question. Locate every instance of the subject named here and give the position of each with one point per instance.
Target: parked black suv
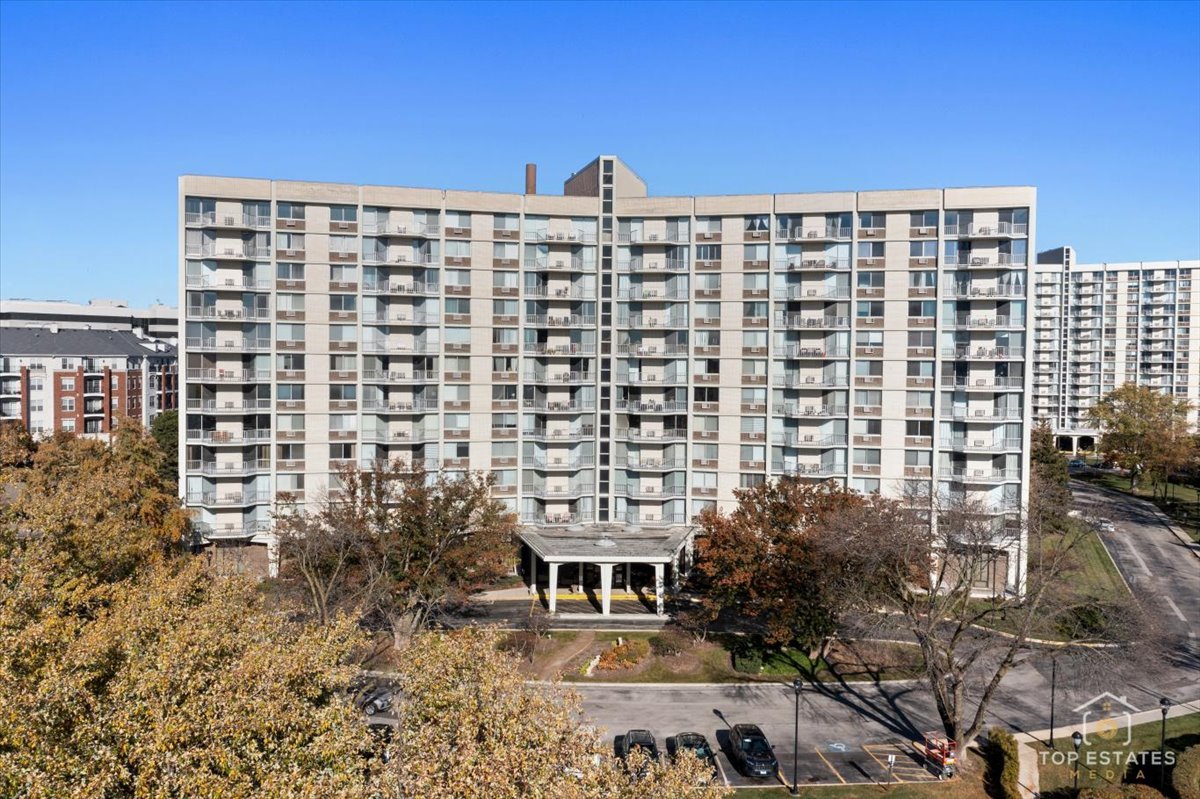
(638, 739)
(751, 752)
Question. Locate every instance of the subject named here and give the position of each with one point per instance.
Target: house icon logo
(1108, 718)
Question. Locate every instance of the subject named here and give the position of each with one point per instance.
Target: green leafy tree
(165, 429)
(1144, 431)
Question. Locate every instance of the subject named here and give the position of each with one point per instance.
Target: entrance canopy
(607, 546)
(607, 543)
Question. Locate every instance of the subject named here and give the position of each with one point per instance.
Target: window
(504, 364)
(458, 219)
(923, 219)
(918, 309)
(458, 277)
(290, 422)
(343, 393)
(868, 368)
(754, 396)
(754, 310)
(456, 248)
(504, 335)
(289, 483)
(872, 220)
(869, 398)
(289, 332)
(866, 309)
(343, 213)
(708, 224)
(866, 457)
(289, 362)
(289, 271)
(708, 252)
(68, 383)
(870, 280)
(868, 338)
(290, 391)
(750, 338)
(753, 453)
(920, 368)
(343, 273)
(504, 307)
(917, 428)
(922, 279)
(922, 249)
(918, 399)
(754, 252)
(343, 302)
(708, 281)
(290, 241)
(458, 336)
(918, 457)
(291, 211)
(341, 452)
(343, 333)
(870, 249)
(343, 363)
(506, 222)
(68, 404)
(865, 485)
(754, 367)
(289, 302)
(868, 427)
(708, 310)
(458, 305)
(343, 245)
(341, 422)
(920, 338)
(505, 251)
(751, 480)
(758, 222)
(68, 425)
(291, 452)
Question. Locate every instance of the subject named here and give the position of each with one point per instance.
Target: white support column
(552, 589)
(675, 569)
(689, 549)
(606, 570)
(581, 577)
(629, 578)
(532, 572)
(658, 588)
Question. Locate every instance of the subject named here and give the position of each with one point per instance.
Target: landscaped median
(673, 656)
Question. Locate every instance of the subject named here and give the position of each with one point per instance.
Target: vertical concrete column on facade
(628, 578)
(273, 557)
(532, 572)
(658, 588)
(581, 577)
(675, 569)
(552, 588)
(606, 573)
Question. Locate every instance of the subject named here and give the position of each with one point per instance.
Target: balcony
(565, 320)
(227, 437)
(232, 345)
(826, 233)
(981, 414)
(215, 220)
(652, 265)
(230, 283)
(799, 439)
(966, 291)
(1000, 230)
(229, 406)
(566, 378)
(984, 353)
(213, 375)
(650, 406)
(799, 380)
(212, 500)
(555, 264)
(820, 293)
(397, 287)
(382, 257)
(798, 410)
(639, 237)
(229, 469)
(561, 434)
(969, 321)
(642, 322)
(801, 262)
(807, 469)
(634, 491)
(555, 462)
(400, 406)
(651, 350)
(415, 230)
(667, 435)
(574, 236)
(644, 464)
(557, 406)
(222, 314)
(796, 321)
(227, 253)
(798, 352)
(643, 294)
(980, 444)
(572, 293)
(652, 379)
(551, 518)
(979, 475)
(982, 383)
(408, 318)
(395, 376)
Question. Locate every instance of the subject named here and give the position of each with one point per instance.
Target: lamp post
(1077, 740)
(1053, 680)
(1164, 705)
(797, 687)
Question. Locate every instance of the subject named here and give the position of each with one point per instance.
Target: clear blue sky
(102, 106)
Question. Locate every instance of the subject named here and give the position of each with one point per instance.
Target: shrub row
(1005, 761)
(624, 656)
(1186, 776)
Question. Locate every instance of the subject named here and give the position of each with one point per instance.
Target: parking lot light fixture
(1164, 705)
(797, 687)
(1077, 740)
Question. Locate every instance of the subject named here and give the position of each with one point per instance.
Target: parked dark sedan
(638, 739)
(695, 743)
(751, 752)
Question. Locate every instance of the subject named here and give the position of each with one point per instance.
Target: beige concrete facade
(613, 357)
(1099, 326)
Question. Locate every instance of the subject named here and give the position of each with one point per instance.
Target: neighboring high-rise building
(83, 381)
(1099, 326)
(619, 361)
(157, 321)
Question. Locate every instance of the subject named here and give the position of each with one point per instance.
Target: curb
(1164, 519)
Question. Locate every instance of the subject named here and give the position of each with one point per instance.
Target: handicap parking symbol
(837, 746)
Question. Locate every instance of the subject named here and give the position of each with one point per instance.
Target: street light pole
(797, 686)
(1077, 740)
(1053, 680)
(1164, 705)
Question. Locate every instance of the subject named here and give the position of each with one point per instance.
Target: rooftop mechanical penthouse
(620, 361)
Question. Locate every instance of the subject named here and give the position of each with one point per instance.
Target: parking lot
(835, 762)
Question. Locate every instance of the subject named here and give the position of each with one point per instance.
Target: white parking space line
(1175, 608)
(721, 771)
(1136, 556)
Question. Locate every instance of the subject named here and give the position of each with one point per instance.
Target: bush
(624, 656)
(670, 641)
(522, 643)
(1186, 777)
(1004, 760)
(748, 660)
(1119, 792)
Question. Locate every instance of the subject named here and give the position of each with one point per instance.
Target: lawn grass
(1182, 732)
(1181, 504)
(1095, 574)
(711, 662)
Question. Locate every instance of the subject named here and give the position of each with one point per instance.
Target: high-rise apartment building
(1099, 326)
(83, 381)
(619, 361)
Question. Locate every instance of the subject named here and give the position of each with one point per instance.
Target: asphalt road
(845, 731)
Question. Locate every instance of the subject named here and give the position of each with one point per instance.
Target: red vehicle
(940, 753)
